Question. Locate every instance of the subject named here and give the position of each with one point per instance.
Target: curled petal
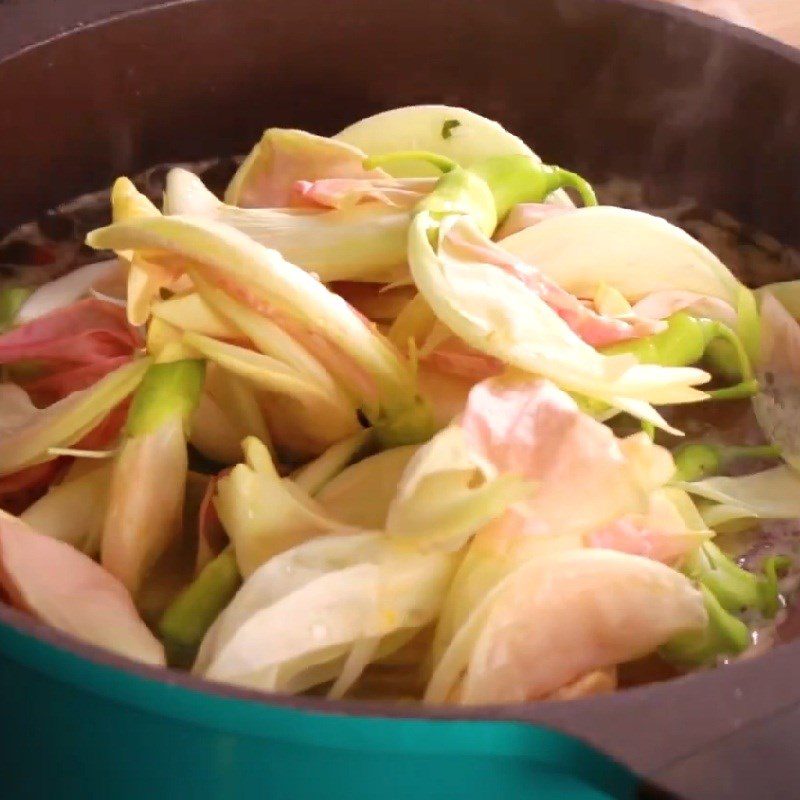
(557, 618)
(660, 534)
(604, 244)
(74, 510)
(770, 494)
(263, 281)
(777, 403)
(524, 215)
(665, 303)
(447, 493)
(29, 432)
(347, 192)
(67, 289)
(69, 591)
(84, 332)
(296, 619)
(362, 494)
(267, 177)
(211, 536)
(145, 504)
(531, 428)
(594, 329)
(264, 514)
(497, 314)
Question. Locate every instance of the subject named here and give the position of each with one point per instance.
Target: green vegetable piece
(11, 301)
(489, 188)
(720, 356)
(448, 126)
(774, 567)
(724, 635)
(749, 325)
(522, 179)
(413, 425)
(167, 390)
(735, 589)
(739, 391)
(685, 341)
(461, 191)
(695, 461)
(191, 614)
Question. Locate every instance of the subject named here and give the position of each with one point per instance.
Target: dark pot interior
(689, 106)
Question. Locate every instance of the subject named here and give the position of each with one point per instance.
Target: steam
(726, 9)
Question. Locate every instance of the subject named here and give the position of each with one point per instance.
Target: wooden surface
(777, 18)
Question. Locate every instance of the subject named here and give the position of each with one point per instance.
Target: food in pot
(399, 413)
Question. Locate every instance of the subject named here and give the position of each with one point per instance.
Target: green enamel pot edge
(545, 752)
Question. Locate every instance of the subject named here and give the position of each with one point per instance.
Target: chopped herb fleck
(447, 127)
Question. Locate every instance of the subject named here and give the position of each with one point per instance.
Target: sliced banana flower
(74, 510)
(323, 418)
(450, 131)
(66, 589)
(227, 412)
(557, 618)
(495, 313)
(261, 279)
(145, 505)
(27, 433)
(145, 279)
(584, 479)
(362, 494)
(272, 340)
(190, 312)
(268, 176)
(448, 492)
(364, 242)
(529, 427)
(299, 616)
(264, 514)
(771, 494)
(777, 404)
(318, 474)
(605, 244)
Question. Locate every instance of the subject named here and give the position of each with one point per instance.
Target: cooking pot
(689, 106)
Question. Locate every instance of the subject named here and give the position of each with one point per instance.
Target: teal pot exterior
(685, 105)
(75, 727)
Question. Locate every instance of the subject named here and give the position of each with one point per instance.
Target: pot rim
(586, 718)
